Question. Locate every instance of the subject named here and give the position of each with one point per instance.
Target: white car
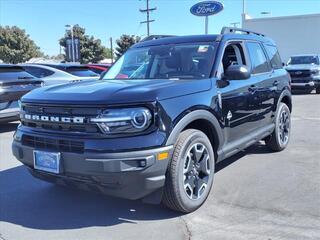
(51, 76)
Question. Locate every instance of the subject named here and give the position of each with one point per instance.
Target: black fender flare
(197, 115)
(285, 93)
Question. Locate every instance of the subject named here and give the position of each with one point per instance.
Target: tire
(189, 176)
(280, 137)
(318, 90)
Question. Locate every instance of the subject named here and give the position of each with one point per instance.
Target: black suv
(166, 112)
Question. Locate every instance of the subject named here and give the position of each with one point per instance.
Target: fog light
(143, 163)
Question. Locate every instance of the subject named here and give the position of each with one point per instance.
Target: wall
(293, 34)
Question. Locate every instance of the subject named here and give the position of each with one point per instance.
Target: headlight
(4, 105)
(20, 105)
(128, 120)
(315, 72)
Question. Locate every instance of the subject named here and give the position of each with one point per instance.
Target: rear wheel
(279, 139)
(318, 90)
(190, 172)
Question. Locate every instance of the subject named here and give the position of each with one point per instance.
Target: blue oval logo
(206, 8)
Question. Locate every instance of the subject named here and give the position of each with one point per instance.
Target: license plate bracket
(47, 161)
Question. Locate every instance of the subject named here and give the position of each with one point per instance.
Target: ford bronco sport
(165, 113)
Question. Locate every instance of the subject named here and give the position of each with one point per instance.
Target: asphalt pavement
(257, 194)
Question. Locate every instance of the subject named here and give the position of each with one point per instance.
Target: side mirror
(237, 72)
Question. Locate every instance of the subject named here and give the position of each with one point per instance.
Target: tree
(124, 43)
(16, 46)
(91, 50)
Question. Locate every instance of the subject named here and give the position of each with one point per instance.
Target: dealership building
(292, 34)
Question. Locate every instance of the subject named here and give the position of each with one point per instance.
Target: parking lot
(256, 195)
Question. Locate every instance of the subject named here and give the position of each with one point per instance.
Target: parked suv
(157, 133)
(305, 72)
(14, 83)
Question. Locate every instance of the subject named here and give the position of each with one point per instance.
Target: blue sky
(44, 20)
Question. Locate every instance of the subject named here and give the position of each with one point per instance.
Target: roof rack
(154, 37)
(234, 30)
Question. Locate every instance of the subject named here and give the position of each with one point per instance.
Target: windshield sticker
(203, 48)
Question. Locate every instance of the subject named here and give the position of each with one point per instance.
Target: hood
(116, 91)
(302, 67)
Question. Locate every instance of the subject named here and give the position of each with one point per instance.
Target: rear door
(267, 80)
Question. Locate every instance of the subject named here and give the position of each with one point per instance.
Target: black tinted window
(274, 56)
(38, 72)
(12, 73)
(259, 62)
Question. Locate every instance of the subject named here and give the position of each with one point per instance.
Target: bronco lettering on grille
(45, 118)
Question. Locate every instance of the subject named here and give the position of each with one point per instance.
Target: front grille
(61, 111)
(53, 144)
(299, 73)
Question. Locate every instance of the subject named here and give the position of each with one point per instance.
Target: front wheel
(190, 172)
(279, 139)
(318, 90)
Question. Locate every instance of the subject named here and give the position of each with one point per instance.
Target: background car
(14, 83)
(305, 72)
(51, 75)
(99, 68)
(74, 69)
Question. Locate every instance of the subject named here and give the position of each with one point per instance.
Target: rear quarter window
(274, 56)
(81, 72)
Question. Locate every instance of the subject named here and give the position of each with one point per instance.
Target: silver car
(51, 76)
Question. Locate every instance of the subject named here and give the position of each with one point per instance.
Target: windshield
(179, 61)
(304, 60)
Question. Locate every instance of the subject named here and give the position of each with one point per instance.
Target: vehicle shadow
(8, 127)
(35, 204)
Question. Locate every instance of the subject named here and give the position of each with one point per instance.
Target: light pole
(72, 42)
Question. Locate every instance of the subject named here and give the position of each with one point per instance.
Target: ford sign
(206, 8)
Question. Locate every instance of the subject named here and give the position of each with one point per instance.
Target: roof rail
(154, 37)
(234, 30)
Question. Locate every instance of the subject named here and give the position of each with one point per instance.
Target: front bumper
(129, 174)
(305, 83)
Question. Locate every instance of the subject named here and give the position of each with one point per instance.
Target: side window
(274, 56)
(259, 62)
(233, 55)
